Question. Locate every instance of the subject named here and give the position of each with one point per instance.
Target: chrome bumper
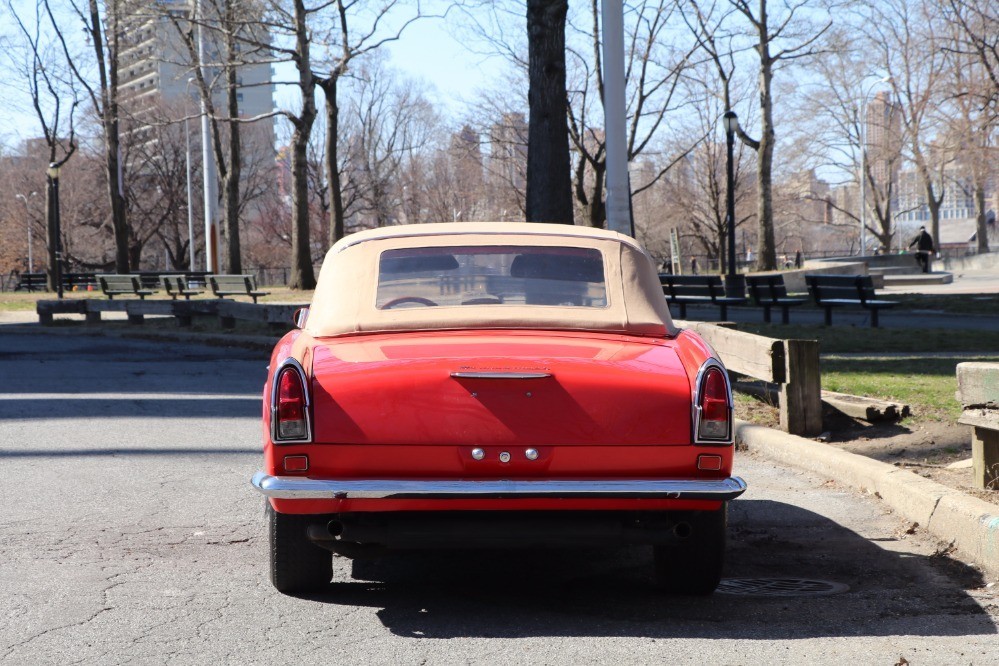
(290, 487)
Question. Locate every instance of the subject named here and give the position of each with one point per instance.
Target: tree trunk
(302, 275)
(107, 69)
(934, 204)
(230, 221)
(549, 193)
(595, 211)
(766, 250)
(982, 229)
(333, 184)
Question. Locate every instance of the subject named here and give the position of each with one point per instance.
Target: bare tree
(977, 24)
(105, 35)
(238, 39)
(41, 64)
(780, 36)
(391, 120)
(907, 35)
(293, 26)
(654, 68)
(355, 31)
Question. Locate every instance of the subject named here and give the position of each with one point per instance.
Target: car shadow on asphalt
(609, 591)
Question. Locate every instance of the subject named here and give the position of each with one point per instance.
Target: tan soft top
(345, 299)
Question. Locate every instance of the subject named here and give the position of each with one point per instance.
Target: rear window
(491, 276)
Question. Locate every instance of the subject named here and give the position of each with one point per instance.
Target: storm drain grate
(779, 587)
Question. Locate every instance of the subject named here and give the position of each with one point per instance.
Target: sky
(430, 49)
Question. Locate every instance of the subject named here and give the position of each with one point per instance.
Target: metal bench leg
(683, 310)
(766, 314)
(724, 312)
(874, 317)
(828, 316)
(93, 316)
(785, 315)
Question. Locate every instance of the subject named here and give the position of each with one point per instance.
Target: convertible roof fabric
(345, 298)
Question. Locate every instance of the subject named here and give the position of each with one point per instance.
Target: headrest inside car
(558, 267)
(424, 263)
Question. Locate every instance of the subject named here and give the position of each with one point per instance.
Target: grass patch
(11, 301)
(918, 369)
(983, 304)
(928, 385)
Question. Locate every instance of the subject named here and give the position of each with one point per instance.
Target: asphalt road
(131, 535)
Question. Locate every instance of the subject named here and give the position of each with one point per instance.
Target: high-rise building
(883, 138)
(155, 67)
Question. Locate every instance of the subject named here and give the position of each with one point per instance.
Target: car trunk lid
(516, 389)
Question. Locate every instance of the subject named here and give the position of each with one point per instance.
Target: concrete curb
(970, 524)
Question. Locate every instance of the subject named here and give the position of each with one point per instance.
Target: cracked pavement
(131, 535)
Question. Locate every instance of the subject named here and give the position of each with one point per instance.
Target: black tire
(693, 565)
(297, 564)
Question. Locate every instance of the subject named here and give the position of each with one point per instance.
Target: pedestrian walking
(924, 249)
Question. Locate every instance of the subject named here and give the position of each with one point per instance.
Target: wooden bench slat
(176, 285)
(683, 290)
(122, 285)
(235, 285)
(831, 291)
(769, 291)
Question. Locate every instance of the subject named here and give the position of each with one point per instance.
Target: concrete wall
(794, 279)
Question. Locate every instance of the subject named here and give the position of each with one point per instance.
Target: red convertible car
(494, 385)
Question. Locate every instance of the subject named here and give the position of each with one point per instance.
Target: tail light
(290, 404)
(712, 405)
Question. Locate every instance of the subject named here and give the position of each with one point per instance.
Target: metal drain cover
(779, 587)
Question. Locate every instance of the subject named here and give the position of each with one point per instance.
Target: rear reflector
(706, 462)
(296, 463)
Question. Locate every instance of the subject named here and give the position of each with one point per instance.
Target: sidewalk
(967, 523)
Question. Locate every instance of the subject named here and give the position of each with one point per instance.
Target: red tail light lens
(714, 414)
(291, 408)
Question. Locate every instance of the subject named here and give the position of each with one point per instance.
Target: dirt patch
(927, 448)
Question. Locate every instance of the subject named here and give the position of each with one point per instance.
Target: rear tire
(694, 565)
(297, 564)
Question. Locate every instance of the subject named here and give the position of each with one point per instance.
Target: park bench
(684, 290)
(176, 285)
(768, 291)
(235, 285)
(122, 285)
(829, 291)
(32, 282)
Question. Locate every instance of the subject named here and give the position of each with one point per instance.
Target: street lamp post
(27, 217)
(54, 226)
(735, 284)
(190, 213)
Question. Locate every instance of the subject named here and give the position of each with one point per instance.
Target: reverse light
(290, 404)
(712, 405)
